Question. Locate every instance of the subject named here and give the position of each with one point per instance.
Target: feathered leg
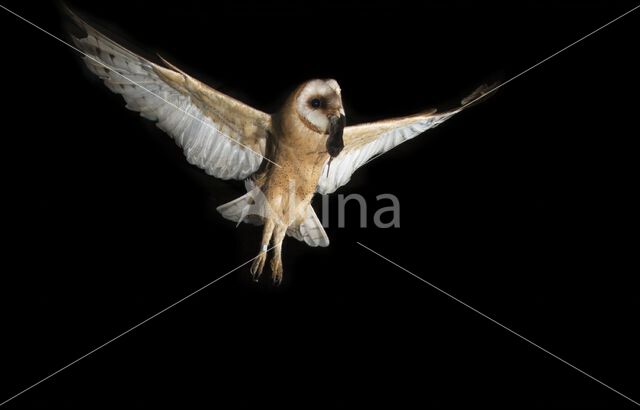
(258, 263)
(276, 260)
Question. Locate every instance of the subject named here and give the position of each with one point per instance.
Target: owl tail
(310, 231)
(250, 208)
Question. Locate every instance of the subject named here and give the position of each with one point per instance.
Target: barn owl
(285, 158)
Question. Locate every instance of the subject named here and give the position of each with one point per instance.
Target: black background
(524, 207)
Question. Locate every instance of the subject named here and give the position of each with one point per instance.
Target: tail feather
(248, 207)
(244, 208)
(310, 230)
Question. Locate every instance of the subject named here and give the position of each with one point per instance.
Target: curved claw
(258, 266)
(276, 272)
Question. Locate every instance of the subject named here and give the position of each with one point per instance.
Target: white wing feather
(365, 141)
(353, 156)
(217, 133)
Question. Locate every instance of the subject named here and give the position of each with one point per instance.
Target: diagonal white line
(497, 323)
(129, 330)
(532, 67)
(557, 52)
(136, 84)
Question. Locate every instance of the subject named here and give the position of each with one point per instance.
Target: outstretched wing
(219, 134)
(365, 141)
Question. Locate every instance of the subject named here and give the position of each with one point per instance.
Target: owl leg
(276, 260)
(258, 262)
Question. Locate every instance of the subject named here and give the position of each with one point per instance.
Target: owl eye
(315, 103)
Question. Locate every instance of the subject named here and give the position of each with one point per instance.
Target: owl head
(319, 106)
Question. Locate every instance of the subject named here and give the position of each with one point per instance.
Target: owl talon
(276, 272)
(258, 266)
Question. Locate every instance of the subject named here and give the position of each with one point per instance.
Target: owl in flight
(284, 158)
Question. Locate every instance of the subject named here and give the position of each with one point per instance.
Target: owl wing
(364, 142)
(219, 134)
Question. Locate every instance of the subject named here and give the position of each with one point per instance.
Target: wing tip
(480, 93)
(75, 25)
(170, 65)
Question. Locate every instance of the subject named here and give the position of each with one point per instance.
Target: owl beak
(336, 128)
